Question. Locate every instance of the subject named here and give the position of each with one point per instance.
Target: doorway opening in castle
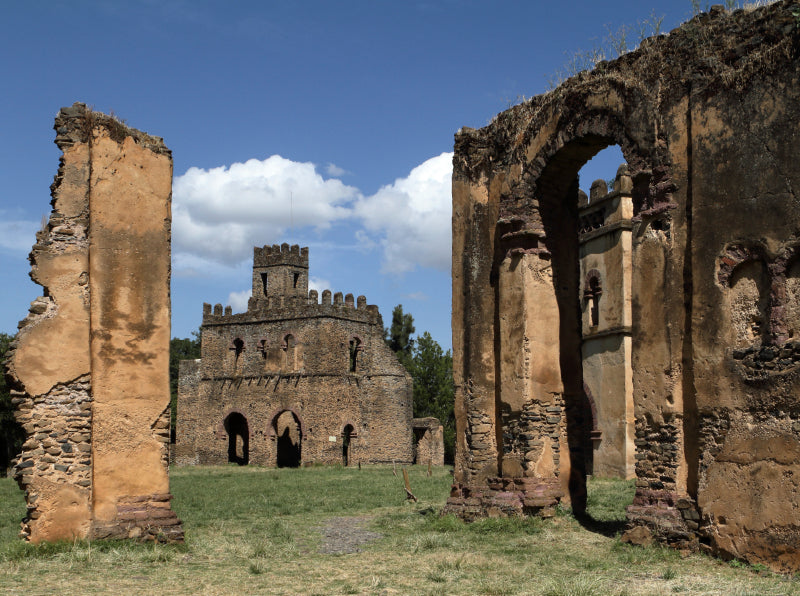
(346, 436)
(289, 439)
(238, 438)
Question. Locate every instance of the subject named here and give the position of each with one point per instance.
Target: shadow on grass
(608, 528)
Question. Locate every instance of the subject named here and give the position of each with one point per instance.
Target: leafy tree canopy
(398, 336)
(11, 433)
(180, 349)
(431, 368)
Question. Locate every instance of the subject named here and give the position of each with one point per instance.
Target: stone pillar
(90, 367)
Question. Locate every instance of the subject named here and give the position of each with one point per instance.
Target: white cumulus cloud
(411, 217)
(219, 214)
(319, 284)
(333, 170)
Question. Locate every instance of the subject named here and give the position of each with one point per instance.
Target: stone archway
(699, 187)
(289, 439)
(238, 433)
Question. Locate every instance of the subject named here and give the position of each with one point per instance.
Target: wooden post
(409, 495)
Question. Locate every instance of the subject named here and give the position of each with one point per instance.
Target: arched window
(592, 291)
(347, 434)
(356, 346)
(237, 347)
(289, 347)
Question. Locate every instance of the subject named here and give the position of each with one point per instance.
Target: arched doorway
(289, 435)
(550, 274)
(236, 428)
(347, 434)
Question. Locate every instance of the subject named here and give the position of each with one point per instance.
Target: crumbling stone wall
(429, 441)
(89, 367)
(706, 118)
(295, 379)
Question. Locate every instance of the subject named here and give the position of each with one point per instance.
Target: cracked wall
(89, 367)
(706, 118)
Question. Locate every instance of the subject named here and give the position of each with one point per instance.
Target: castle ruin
(670, 306)
(294, 380)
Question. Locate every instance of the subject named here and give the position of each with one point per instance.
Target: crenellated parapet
(280, 291)
(606, 209)
(279, 255)
(293, 307)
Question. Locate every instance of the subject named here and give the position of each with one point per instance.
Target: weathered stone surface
(293, 381)
(90, 366)
(638, 535)
(429, 441)
(685, 279)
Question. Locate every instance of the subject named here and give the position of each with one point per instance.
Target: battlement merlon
(280, 271)
(275, 256)
(293, 307)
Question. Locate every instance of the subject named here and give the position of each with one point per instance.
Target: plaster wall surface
(706, 120)
(96, 408)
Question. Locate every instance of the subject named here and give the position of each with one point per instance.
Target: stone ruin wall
(308, 375)
(89, 366)
(706, 118)
(429, 448)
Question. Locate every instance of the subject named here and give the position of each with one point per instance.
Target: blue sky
(327, 124)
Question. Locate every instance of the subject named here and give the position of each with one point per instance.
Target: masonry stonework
(295, 380)
(706, 118)
(428, 441)
(89, 366)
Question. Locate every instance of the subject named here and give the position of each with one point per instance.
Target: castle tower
(280, 272)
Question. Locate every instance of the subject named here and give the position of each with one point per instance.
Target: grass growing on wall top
(254, 530)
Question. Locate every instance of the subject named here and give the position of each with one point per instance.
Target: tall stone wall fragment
(89, 368)
(706, 331)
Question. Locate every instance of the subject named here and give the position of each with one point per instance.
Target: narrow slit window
(264, 282)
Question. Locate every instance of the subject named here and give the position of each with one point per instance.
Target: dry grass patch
(259, 531)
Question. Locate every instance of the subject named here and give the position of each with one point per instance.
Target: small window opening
(355, 348)
(264, 282)
(591, 293)
(295, 279)
(594, 286)
(347, 434)
(290, 354)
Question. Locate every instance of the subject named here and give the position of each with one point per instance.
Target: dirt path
(346, 535)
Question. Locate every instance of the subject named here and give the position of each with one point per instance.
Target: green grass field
(260, 531)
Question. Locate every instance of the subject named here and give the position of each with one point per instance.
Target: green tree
(434, 392)
(12, 434)
(180, 349)
(398, 336)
